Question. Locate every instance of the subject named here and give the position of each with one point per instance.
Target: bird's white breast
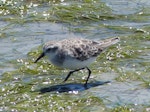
(72, 63)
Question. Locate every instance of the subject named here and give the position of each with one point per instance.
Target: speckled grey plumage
(74, 53)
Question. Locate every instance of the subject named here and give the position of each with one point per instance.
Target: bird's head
(49, 49)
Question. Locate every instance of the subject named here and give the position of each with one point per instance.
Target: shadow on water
(71, 87)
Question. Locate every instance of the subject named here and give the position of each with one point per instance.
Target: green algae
(129, 59)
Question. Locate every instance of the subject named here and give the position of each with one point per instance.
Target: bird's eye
(49, 49)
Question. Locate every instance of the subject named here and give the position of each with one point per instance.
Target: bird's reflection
(71, 87)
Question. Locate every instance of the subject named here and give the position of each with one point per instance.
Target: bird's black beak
(41, 56)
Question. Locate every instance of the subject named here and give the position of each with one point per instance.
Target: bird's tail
(108, 42)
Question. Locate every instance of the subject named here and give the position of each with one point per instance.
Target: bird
(75, 54)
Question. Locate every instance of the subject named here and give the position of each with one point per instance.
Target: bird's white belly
(73, 64)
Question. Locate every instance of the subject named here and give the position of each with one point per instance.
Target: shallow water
(125, 66)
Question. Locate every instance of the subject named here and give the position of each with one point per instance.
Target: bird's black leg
(88, 76)
(71, 72)
(68, 76)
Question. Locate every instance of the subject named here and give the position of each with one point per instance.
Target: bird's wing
(81, 49)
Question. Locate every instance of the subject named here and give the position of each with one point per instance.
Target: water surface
(25, 26)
